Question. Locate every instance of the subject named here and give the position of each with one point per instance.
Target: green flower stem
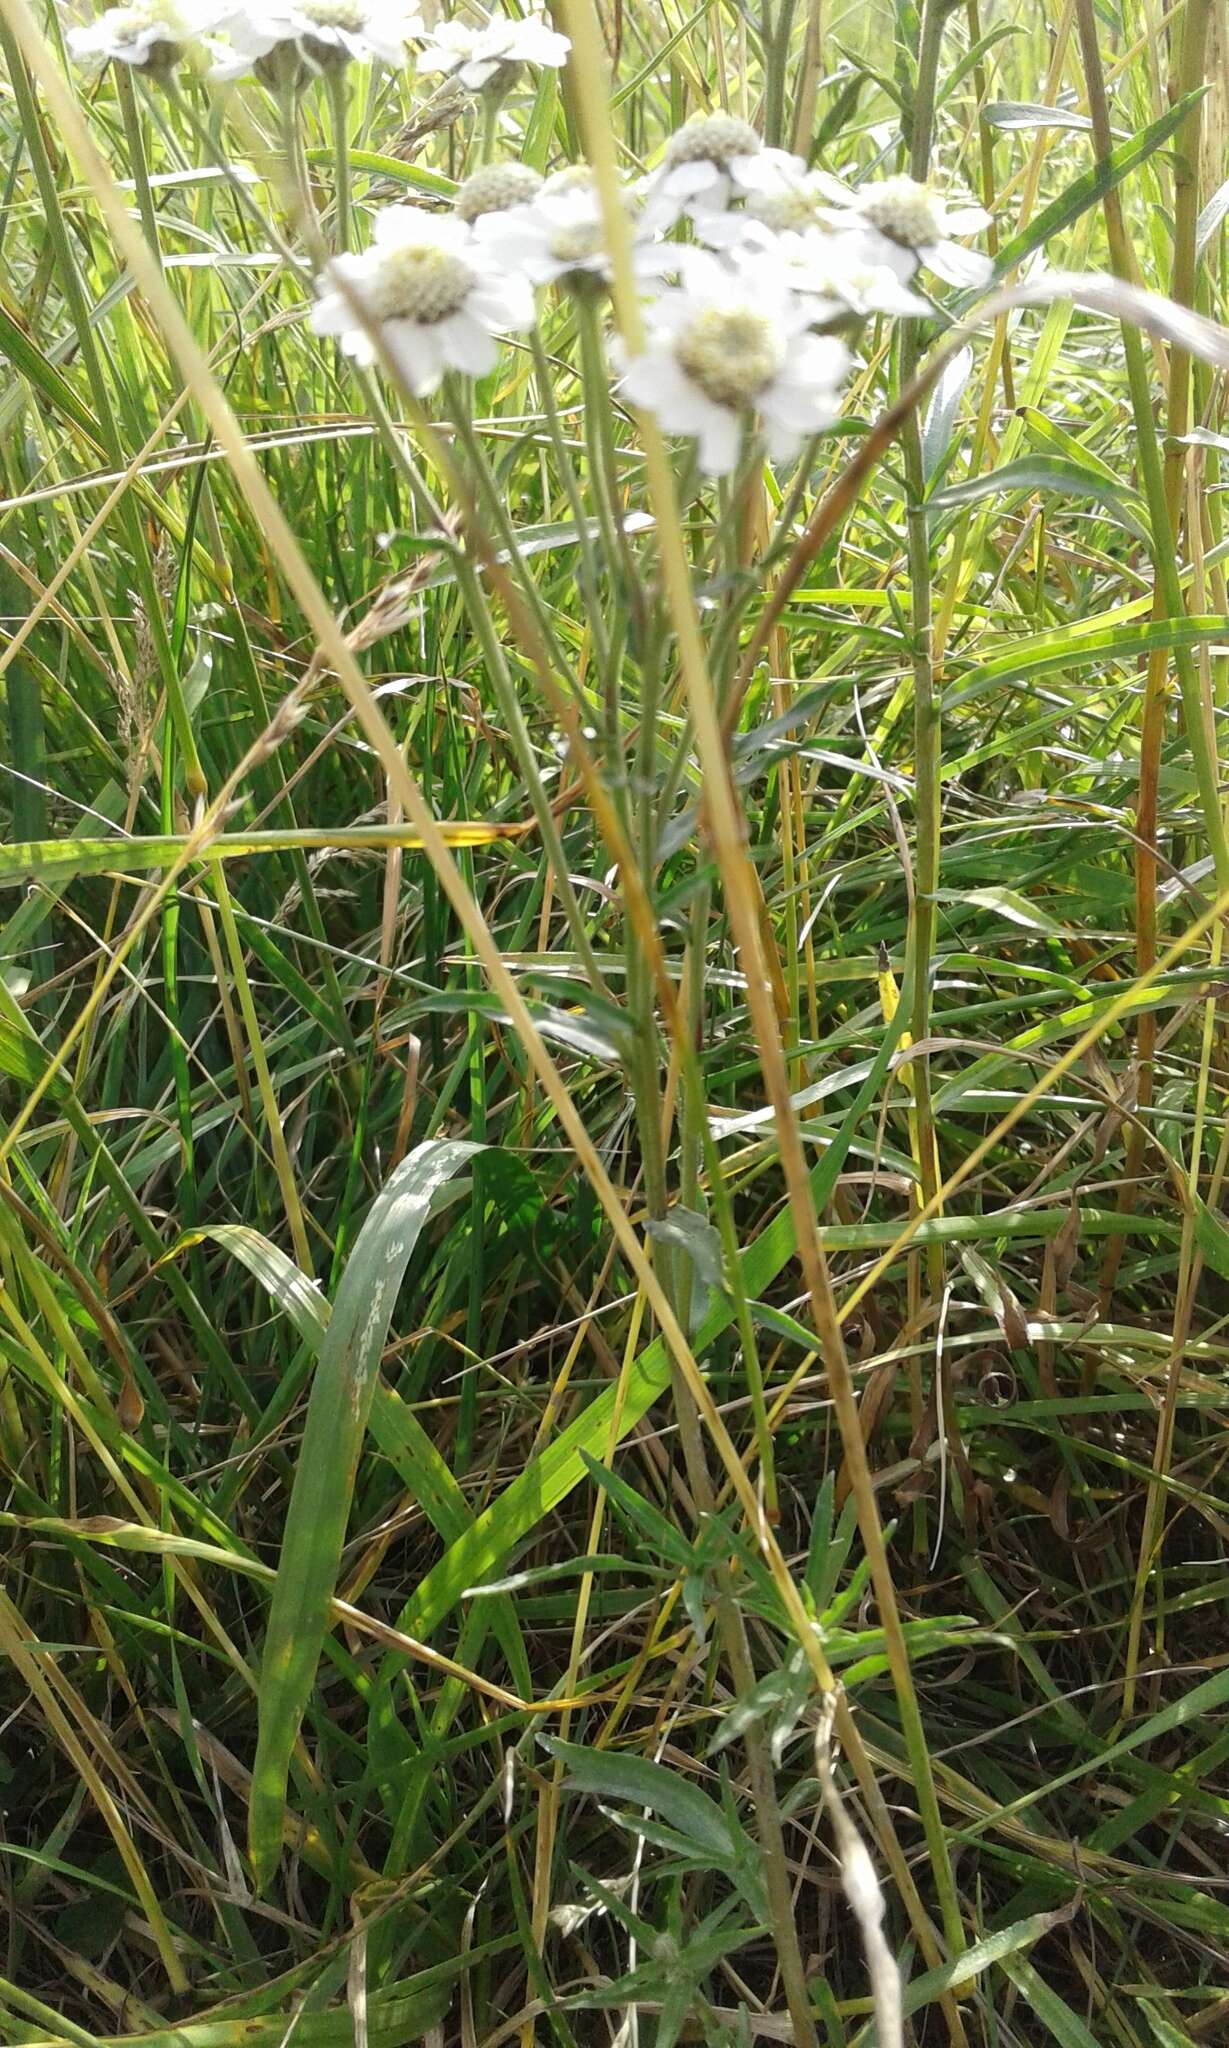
(741, 907)
(169, 924)
(927, 717)
(603, 456)
(1162, 484)
(483, 622)
(776, 38)
(130, 114)
(212, 141)
(576, 504)
(297, 184)
(487, 490)
(490, 126)
(339, 101)
(478, 608)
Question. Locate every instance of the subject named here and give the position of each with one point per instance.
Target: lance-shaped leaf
(341, 1397)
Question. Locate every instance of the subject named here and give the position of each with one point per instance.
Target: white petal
(467, 345)
(640, 377)
(397, 225)
(967, 268)
(965, 220)
(720, 438)
(768, 170)
(415, 354)
(505, 301)
(797, 408)
(822, 359)
(781, 442)
(330, 315)
(688, 181)
(358, 345)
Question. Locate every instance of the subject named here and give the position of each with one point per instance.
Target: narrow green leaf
(637, 1781)
(283, 1281)
(1056, 2016)
(336, 1424)
(31, 361)
(1045, 653)
(1030, 114)
(1056, 474)
(60, 859)
(1091, 186)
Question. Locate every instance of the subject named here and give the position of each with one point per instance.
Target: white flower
(151, 35)
(705, 163)
(560, 236)
(845, 277)
(497, 188)
(788, 197)
(436, 294)
(476, 57)
(276, 37)
(557, 234)
(834, 271)
(903, 224)
(732, 346)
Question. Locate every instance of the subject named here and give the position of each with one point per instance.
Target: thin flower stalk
(725, 834)
(927, 715)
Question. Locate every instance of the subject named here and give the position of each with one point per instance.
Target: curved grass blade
(1091, 186)
(337, 1413)
(61, 859)
(479, 1552)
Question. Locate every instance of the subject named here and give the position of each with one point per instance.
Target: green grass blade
(341, 1397)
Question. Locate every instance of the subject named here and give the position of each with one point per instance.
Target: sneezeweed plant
(663, 362)
(756, 277)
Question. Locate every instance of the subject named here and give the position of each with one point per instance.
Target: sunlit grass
(612, 1074)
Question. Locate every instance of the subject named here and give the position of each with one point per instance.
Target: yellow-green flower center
(572, 178)
(731, 354)
(345, 14)
(420, 282)
(711, 138)
(495, 188)
(576, 241)
(793, 207)
(142, 15)
(902, 210)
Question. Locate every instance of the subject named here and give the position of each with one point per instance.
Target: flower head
(705, 163)
(490, 55)
(835, 272)
(788, 198)
(903, 224)
(281, 39)
(729, 348)
(150, 35)
(495, 188)
(559, 236)
(437, 295)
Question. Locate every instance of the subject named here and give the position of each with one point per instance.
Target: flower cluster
(285, 41)
(754, 272)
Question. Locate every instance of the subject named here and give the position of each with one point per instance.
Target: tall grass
(613, 1082)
